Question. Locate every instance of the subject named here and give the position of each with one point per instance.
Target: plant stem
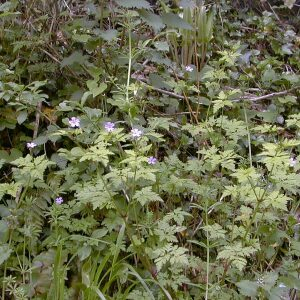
(129, 65)
(207, 253)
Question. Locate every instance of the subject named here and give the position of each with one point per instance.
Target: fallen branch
(253, 99)
(158, 89)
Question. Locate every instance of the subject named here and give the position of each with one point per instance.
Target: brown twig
(158, 89)
(253, 99)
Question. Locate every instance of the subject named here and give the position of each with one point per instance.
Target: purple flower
(152, 160)
(31, 145)
(189, 68)
(136, 133)
(74, 122)
(109, 126)
(59, 200)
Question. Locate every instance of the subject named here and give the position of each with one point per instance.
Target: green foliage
(149, 151)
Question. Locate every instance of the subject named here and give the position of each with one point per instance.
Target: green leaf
(277, 200)
(247, 288)
(94, 88)
(22, 116)
(215, 231)
(158, 82)
(75, 58)
(98, 153)
(134, 4)
(82, 38)
(146, 195)
(108, 35)
(5, 252)
(84, 252)
(152, 19)
(175, 21)
(95, 193)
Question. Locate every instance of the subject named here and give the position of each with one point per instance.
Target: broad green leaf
(247, 288)
(108, 35)
(22, 116)
(152, 19)
(175, 21)
(75, 58)
(5, 252)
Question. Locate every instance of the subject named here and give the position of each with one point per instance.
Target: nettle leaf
(152, 19)
(5, 252)
(108, 35)
(146, 195)
(75, 58)
(247, 288)
(175, 21)
(134, 4)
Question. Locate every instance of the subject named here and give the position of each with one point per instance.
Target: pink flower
(74, 122)
(31, 145)
(189, 68)
(152, 160)
(59, 200)
(109, 126)
(136, 133)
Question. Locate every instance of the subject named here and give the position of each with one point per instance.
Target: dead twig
(253, 99)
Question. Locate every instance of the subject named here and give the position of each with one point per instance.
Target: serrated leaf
(247, 288)
(175, 21)
(146, 195)
(108, 35)
(75, 58)
(152, 19)
(134, 4)
(5, 252)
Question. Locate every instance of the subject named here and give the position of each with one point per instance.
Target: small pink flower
(74, 122)
(31, 145)
(59, 200)
(109, 126)
(136, 133)
(189, 68)
(152, 160)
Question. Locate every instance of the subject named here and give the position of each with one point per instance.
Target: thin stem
(207, 254)
(248, 135)
(129, 65)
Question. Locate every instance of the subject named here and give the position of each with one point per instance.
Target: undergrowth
(149, 152)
